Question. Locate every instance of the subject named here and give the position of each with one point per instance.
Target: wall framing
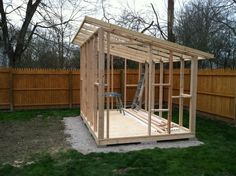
(99, 42)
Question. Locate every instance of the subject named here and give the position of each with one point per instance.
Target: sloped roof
(134, 45)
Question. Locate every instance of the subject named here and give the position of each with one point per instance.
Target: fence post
(11, 98)
(70, 93)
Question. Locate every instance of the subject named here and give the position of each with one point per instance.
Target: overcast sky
(116, 7)
(113, 7)
(142, 5)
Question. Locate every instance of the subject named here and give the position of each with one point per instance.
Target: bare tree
(14, 52)
(199, 26)
(170, 20)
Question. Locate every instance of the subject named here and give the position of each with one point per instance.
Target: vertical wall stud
(170, 93)
(181, 91)
(150, 89)
(101, 84)
(108, 84)
(161, 87)
(193, 93)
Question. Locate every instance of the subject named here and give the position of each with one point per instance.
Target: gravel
(82, 141)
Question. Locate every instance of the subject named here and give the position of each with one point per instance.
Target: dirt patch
(22, 139)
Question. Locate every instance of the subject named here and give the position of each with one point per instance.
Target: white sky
(116, 6)
(143, 5)
(113, 7)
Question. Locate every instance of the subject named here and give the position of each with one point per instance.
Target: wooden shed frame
(99, 42)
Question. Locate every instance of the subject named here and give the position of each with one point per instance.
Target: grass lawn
(216, 157)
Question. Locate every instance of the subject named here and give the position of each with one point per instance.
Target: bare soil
(20, 140)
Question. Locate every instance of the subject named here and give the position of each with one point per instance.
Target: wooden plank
(125, 81)
(150, 89)
(181, 91)
(146, 86)
(70, 92)
(170, 93)
(193, 92)
(95, 73)
(161, 87)
(153, 87)
(145, 139)
(160, 110)
(140, 117)
(112, 81)
(182, 96)
(161, 84)
(101, 84)
(131, 85)
(108, 84)
(89, 128)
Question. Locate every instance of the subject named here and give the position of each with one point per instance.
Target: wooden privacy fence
(38, 88)
(44, 88)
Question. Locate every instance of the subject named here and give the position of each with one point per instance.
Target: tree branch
(146, 28)
(164, 36)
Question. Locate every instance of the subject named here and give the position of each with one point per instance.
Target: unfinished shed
(144, 119)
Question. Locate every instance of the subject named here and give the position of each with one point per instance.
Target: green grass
(216, 157)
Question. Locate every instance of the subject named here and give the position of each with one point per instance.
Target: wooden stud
(181, 91)
(150, 89)
(170, 93)
(125, 82)
(160, 110)
(182, 96)
(112, 80)
(95, 77)
(108, 84)
(139, 70)
(146, 86)
(101, 84)
(85, 79)
(161, 87)
(89, 86)
(153, 87)
(193, 93)
(163, 84)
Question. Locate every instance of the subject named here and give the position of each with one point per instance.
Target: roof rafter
(127, 43)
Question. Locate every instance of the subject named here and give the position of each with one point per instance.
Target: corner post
(101, 73)
(193, 93)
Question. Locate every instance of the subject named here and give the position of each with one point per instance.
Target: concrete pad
(82, 141)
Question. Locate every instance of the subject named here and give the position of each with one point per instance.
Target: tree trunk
(170, 20)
